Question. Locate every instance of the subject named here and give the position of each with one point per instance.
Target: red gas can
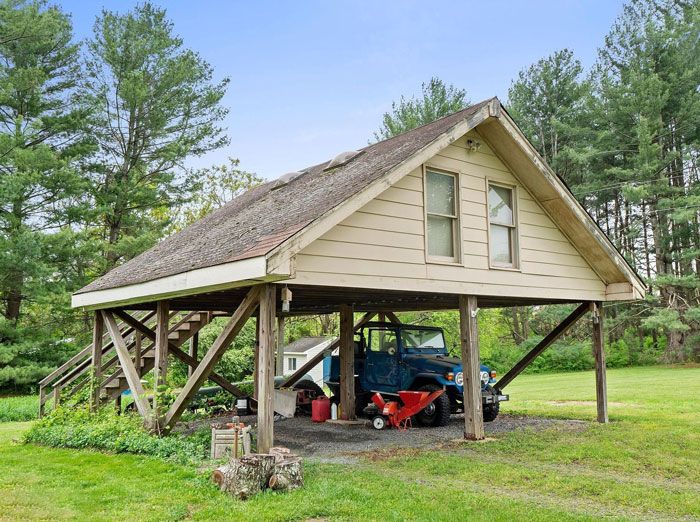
(321, 409)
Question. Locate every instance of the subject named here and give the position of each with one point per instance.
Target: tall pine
(40, 146)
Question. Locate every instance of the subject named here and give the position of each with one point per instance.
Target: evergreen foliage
(437, 100)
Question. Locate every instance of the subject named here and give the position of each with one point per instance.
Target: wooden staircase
(75, 374)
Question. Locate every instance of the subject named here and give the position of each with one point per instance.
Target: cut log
(245, 477)
(288, 475)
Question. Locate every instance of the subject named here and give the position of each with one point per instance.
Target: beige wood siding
(383, 244)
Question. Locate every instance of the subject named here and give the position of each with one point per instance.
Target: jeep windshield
(422, 340)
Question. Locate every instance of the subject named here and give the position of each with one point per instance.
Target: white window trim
(516, 265)
(457, 260)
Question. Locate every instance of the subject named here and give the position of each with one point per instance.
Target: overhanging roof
(268, 225)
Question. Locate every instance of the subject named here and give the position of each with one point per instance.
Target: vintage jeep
(392, 357)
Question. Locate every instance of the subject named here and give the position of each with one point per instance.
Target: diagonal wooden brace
(213, 355)
(542, 346)
(132, 376)
(180, 354)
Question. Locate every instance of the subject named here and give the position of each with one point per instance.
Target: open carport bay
(332, 442)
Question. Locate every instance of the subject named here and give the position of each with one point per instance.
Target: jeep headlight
(459, 379)
(485, 377)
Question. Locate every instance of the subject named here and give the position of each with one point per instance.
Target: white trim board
(228, 275)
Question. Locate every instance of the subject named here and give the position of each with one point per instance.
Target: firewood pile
(279, 470)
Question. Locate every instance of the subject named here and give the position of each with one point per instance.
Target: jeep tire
(491, 410)
(437, 413)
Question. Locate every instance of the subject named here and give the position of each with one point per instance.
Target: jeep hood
(434, 362)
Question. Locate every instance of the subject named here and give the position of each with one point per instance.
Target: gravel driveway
(337, 443)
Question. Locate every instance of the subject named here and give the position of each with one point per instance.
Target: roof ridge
(472, 106)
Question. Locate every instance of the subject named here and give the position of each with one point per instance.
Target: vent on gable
(284, 180)
(342, 159)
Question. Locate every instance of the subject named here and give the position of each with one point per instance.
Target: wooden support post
(42, 401)
(97, 333)
(56, 397)
(256, 358)
(160, 370)
(129, 370)
(471, 368)
(194, 348)
(160, 365)
(266, 367)
(213, 355)
(279, 369)
(118, 404)
(347, 363)
(138, 351)
(552, 336)
(601, 389)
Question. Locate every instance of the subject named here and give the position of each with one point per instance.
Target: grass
(20, 408)
(644, 465)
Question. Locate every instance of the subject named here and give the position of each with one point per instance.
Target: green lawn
(644, 465)
(20, 408)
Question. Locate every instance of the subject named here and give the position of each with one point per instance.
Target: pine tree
(648, 116)
(40, 145)
(437, 100)
(156, 106)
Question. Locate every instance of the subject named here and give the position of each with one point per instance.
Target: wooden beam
(97, 333)
(132, 376)
(144, 330)
(266, 368)
(347, 363)
(194, 348)
(471, 368)
(392, 317)
(316, 359)
(213, 355)
(601, 389)
(542, 346)
(279, 367)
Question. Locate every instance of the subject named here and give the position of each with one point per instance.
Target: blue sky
(310, 79)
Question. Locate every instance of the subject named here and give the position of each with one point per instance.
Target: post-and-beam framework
(598, 352)
(264, 297)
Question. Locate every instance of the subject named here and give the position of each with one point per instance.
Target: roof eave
(244, 272)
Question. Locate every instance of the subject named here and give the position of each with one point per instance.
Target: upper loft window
(442, 224)
(503, 237)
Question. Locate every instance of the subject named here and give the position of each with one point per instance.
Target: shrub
(20, 408)
(107, 431)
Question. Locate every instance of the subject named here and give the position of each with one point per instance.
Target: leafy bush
(20, 408)
(107, 431)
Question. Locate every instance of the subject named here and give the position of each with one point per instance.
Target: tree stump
(287, 475)
(279, 470)
(246, 476)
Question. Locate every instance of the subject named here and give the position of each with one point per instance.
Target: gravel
(329, 442)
